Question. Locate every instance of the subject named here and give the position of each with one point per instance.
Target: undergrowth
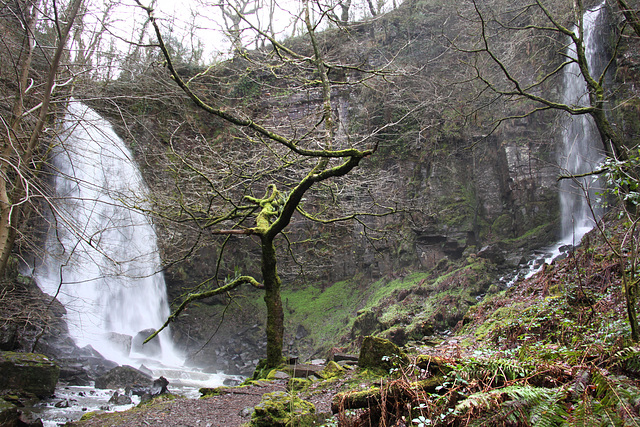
(554, 350)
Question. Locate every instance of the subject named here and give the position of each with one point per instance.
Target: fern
(629, 359)
(518, 404)
(500, 370)
(618, 396)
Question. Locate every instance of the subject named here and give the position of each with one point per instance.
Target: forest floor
(226, 410)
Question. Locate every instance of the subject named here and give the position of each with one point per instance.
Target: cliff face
(456, 188)
(459, 183)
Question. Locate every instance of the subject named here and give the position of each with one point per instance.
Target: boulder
(344, 357)
(123, 376)
(158, 387)
(281, 409)
(332, 370)
(30, 372)
(120, 341)
(8, 413)
(119, 399)
(380, 354)
(150, 349)
(303, 370)
(494, 253)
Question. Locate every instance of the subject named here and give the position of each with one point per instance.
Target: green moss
(332, 370)
(280, 409)
(88, 416)
(298, 384)
(382, 355)
(166, 397)
(215, 391)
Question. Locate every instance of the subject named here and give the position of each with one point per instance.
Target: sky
(194, 21)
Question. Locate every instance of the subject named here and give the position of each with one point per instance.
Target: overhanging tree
(287, 156)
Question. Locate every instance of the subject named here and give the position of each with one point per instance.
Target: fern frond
(629, 359)
(496, 369)
(519, 404)
(618, 396)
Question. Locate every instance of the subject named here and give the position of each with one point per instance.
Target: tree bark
(275, 313)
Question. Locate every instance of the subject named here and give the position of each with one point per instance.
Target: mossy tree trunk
(275, 314)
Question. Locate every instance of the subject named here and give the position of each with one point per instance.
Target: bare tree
(265, 172)
(24, 127)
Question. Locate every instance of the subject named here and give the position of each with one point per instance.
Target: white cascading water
(582, 144)
(102, 258)
(582, 148)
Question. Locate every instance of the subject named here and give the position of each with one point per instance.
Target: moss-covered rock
(8, 413)
(213, 391)
(30, 372)
(380, 354)
(297, 384)
(280, 409)
(332, 370)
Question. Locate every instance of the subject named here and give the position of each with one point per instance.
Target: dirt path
(227, 410)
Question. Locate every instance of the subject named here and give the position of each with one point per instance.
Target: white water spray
(582, 145)
(582, 148)
(101, 256)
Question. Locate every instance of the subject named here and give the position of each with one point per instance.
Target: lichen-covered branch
(206, 294)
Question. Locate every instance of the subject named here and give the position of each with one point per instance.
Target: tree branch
(202, 295)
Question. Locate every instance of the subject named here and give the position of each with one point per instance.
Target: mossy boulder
(434, 364)
(332, 370)
(280, 409)
(380, 354)
(29, 372)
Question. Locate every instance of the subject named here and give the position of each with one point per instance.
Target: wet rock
(62, 404)
(120, 399)
(8, 413)
(303, 371)
(566, 248)
(231, 382)
(33, 373)
(158, 387)
(74, 374)
(120, 341)
(151, 349)
(123, 376)
(11, 416)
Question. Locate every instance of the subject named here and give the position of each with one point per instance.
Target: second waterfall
(582, 145)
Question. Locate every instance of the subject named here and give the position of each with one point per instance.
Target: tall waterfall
(582, 145)
(101, 257)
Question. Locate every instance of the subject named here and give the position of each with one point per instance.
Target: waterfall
(101, 257)
(582, 145)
